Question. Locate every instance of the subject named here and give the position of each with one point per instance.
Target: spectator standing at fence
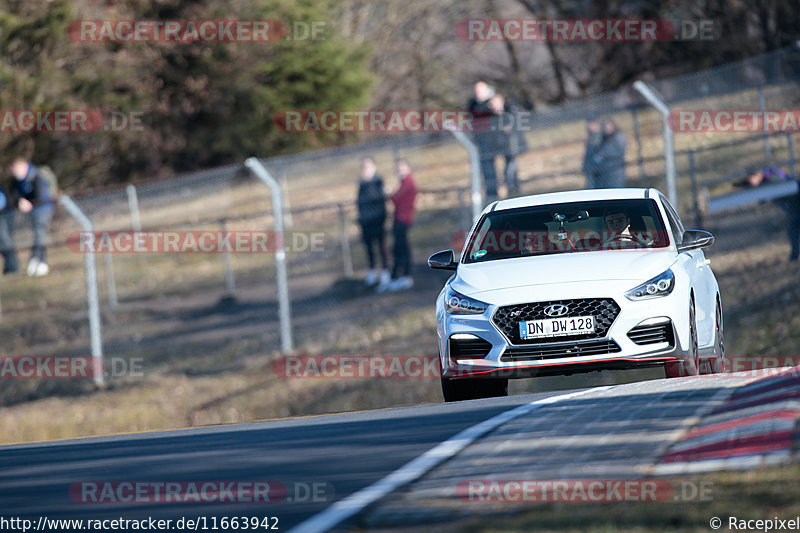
(510, 139)
(403, 200)
(32, 195)
(371, 218)
(610, 157)
(790, 205)
(594, 137)
(484, 137)
(7, 214)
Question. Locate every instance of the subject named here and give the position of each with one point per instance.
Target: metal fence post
(133, 205)
(95, 334)
(669, 140)
(346, 255)
(284, 311)
(475, 170)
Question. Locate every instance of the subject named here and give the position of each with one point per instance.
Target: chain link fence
(216, 306)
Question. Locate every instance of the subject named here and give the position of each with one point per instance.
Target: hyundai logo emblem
(556, 310)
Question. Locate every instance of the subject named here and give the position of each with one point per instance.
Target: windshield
(631, 224)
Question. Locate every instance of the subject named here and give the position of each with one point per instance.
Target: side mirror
(695, 238)
(444, 260)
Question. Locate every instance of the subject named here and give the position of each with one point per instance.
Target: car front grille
(604, 311)
(469, 348)
(573, 349)
(652, 334)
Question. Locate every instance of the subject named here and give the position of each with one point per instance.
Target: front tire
(690, 366)
(456, 390)
(720, 362)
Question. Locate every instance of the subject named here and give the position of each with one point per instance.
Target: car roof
(572, 196)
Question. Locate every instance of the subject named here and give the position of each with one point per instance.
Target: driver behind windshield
(618, 226)
(618, 231)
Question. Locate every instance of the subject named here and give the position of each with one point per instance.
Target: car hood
(630, 265)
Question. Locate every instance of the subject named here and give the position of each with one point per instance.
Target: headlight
(657, 287)
(457, 304)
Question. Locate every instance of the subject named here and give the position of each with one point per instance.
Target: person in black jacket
(510, 138)
(7, 250)
(610, 157)
(31, 194)
(484, 137)
(594, 137)
(371, 218)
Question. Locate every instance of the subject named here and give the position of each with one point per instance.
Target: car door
(697, 267)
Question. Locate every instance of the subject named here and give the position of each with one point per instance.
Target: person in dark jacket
(510, 139)
(30, 193)
(7, 249)
(403, 200)
(484, 137)
(371, 217)
(610, 157)
(594, 137)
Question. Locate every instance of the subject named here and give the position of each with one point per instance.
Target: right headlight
(656, 287)
(456, 303)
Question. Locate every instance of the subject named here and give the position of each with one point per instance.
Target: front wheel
(720, 363)
(456, 390)
(690, 366)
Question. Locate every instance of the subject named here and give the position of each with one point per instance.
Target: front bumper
(641, 335)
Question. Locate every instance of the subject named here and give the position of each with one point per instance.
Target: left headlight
(456, 303)
(656, 287)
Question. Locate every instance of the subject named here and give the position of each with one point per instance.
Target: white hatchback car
(574, 282)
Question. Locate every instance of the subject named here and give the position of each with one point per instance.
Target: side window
(674, 221)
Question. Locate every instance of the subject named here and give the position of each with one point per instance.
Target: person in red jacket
(403, 200)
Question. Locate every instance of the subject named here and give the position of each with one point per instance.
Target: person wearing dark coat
(594, 137)
(484, 136)
(372, 217)
(610, 157)
(509, 137)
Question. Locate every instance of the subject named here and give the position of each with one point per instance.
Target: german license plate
(556, 327)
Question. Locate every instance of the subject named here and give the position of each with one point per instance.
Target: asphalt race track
(378, 468)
